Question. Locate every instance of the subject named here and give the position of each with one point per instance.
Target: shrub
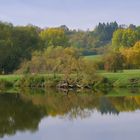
(5, 84)
(31, 81)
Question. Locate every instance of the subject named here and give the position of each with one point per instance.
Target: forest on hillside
(31, 49)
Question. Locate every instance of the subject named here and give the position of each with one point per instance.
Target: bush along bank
(5, 84)
(60, 82)
(38, 81)
(44, 81)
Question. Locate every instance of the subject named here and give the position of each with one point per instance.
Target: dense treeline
(18, 45)
(18, 42)
(125, 50)
(94, 42)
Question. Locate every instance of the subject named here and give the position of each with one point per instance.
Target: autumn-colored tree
(132, 55)
(114, 62)
(88, 72)
(65, 61)
(53, 37)
(127, 54)
(55, 60)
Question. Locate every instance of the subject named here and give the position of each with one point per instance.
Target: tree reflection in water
(18, 115)
(24, 111)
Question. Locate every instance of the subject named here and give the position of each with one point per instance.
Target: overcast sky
(76, 14)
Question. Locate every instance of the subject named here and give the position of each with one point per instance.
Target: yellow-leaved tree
(132, 56)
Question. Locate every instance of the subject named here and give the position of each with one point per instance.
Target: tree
(54, 37)
(16, 44)
(132, 26)
(124, 38)
(103, 33)
(114, 61)
(88, 72)
(136, 50)
(58, 60)
(132, 55)
(91, 42)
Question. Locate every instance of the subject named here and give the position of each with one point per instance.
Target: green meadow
(94, 57)
(125, 78)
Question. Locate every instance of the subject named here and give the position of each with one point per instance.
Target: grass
(29, 80)
(121, 75)
(15, 77)
(10, 78)
(123, 79)
(94, 57)
(119, 79)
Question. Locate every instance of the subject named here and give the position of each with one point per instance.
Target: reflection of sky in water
(125, 126)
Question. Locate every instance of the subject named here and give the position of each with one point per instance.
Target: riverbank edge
(45, 81)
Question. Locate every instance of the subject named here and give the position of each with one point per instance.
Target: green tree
(54, 37)
(114, 62)
(16, 44)
(124, 38)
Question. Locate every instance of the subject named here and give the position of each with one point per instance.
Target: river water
(58, 115)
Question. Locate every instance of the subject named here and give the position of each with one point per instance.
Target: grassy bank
(126, 78)
(8, 81)
(40, 80)
(10, 78)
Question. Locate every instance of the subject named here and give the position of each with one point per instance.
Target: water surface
(58, 115)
